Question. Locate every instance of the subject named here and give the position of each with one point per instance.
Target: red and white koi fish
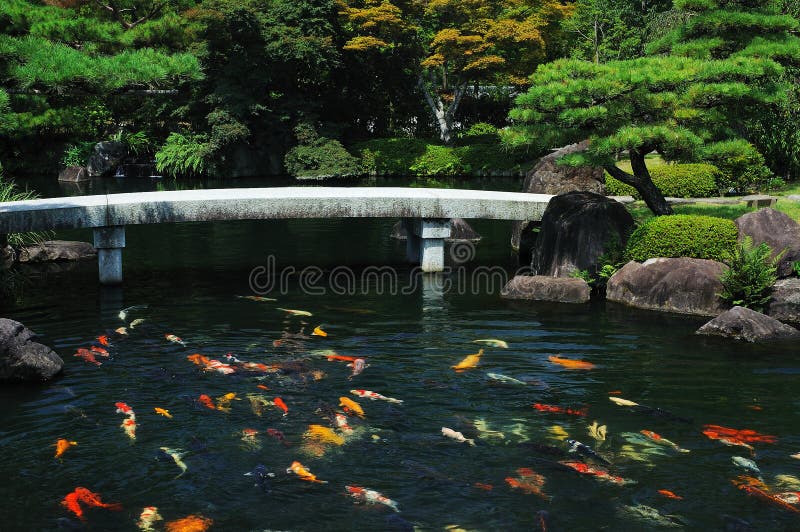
(358, 366)
(99, 350)
(371, 497)
(602, 474)
(123, 408)
(340, 420)
(560, 409)
(366, 394)
(174, 339)
(147, 518)
(662, 441)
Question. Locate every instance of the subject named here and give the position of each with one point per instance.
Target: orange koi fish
(323, 435)
(668, 494)
(341, 358)
(586, 469)
(657, 438)
(319, 332)
(351, 406)
(560, 409)
(82, 495)
(262, 387)
(190, 523)
(470, 361)
(62, 445)
(762, 495)
(249, 433)
(206, 401)
(280, 404)
(99, 350)
(163, 412)
(300, 470)
(482, 486)
(570, 363)
(103, 340)
(87, 355)
(198, 359)
(529, 481)
(745, 435)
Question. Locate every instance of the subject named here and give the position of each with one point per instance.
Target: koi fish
(484, 487)
(470, 361)
(135, 323)
(622, 402)
(366, 394)
(747, 465)
(99, 350)
(351, 406)
(174, 339)
(505, 379)
(224, 401)
(662, 441)
(492, 342)
(598, 432)
(278, 435)
(457, 436)
(129, 426)
(340, 420)
(300, 470)
(82, 495)
(280, 404)
(261, 476)
(103, 339)
(294, 312)
(762, 495)
(371, 497)
(147, 518)
(258, 403)
(580, 448)
(190, 523)
(358, 366)
(87, 355)
(668, 494)
(602, 474)
(485, 432)
(206, 401)
(745, 435)
(528, 481)
(259, 299)
(123, 314)
(198, 359)
(570, 363)
(216, 365)
(342, 358)
(323, 434)
(123, 408)
(262, 387)
(176, 455)
(162, 412)
(560, 409)
(796, 456)
(62, 445)
(557, 432)
(121, 331)
(318, 331)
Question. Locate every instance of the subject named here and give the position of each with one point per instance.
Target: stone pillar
(109, 242)
(432, 233)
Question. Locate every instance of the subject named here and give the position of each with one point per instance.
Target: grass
(651, 159)
(641, 213)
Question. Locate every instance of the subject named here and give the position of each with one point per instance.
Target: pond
(185, 280)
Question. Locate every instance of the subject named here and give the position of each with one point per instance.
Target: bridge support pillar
(425, 242)
(109, 242)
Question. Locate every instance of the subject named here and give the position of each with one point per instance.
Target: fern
(186, 156)
(750, 275)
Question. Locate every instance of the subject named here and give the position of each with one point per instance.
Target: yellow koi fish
(258, 403)
(319, 332)
(598, 432)
(492, 342)
(469, 362)
(223, 403)
(300, 470)
(163, 412)
(323, 434)
(294, 312)
(352, 406)
(135, 323)
(557, 432)
(622, 402)
(62, 445)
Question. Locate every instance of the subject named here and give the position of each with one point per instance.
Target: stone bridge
(425, 211)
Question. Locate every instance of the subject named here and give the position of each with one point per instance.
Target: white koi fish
(366, 394)
(371, 497)
(491, 342)
(176, 456)
(452, 434)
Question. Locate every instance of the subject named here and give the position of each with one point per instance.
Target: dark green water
(189, 276)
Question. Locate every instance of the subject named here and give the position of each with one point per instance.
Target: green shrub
(322, 158)
(393, 156)
(796, 267)
(750, 275)
(483, 158)
(481, 129)
(9, 191)
(186, 155)
(743, 167)
(682, 235)
(438, 161)
(674, 180)
(77, 154)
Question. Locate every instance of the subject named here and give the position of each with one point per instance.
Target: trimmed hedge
(683, 235)
(674, 180)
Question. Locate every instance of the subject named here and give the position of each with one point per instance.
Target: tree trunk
(641, 181)
(444, 115)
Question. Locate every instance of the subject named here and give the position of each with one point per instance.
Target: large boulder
(682, 285)
(73, 174)
(784, 302)
(775, 229)
(542, 288)
(22, 359)
(105, 158)
(460, 230)
(57, 250)
(748, 325)
(577, 228)
(548, 177)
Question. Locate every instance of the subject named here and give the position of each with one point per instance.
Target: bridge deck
(266, 203)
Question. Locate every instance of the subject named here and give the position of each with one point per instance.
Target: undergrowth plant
(9, 191)
(750, 275)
